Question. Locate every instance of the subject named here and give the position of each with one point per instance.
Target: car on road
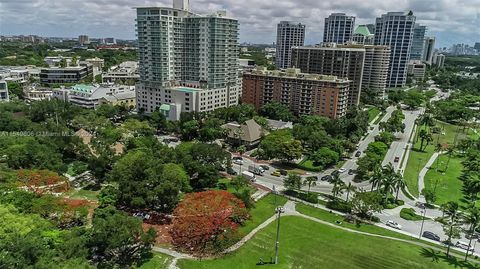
(358, 153)
(275, 173)
(237, 158)
(230, 171)
(463, 245)
(238, 161)
(393, 224)
(265, 167)
(283, 172)
(326, 178)
(396, 159)
(248, 175)
(431, 236)
(342, 170)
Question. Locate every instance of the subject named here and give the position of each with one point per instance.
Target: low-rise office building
(122, 73)
(62, 75)
(97, 65)
(302, 93)
(90, 96)
(416, 69)
(38, 94)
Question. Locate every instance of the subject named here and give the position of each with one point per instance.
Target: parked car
(230, 171)
(463, 245)
(358, 153)
(237, 158)
(238, 161)
(257, 170)
(396, 159)
(283, 172)
(265, 167)
(248, 175)
(275, 173)
(393, 224)
(326, 178)
(431, 236)
(351, 171)
(342, 170)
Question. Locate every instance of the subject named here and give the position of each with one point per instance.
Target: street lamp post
(279, 210)
(423, 220)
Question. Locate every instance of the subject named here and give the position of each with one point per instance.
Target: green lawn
(85, 194)
(418, 159)
(307, 244)
(307, 164)
(332, 218)
(264, 209)
(372, 113)
(158, 261)
(445, 183)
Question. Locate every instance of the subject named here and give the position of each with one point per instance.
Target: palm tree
(310, 182)
(376, 177)
(424, 137)
(450, 151)
(399, 184)
(472, 218)
(389, 180)
(349, 188)
(337, 185)
(453, 215)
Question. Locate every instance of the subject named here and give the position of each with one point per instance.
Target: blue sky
(451, 21)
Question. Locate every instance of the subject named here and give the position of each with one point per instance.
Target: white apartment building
(179, 49)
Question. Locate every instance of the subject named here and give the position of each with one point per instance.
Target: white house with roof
(90, 96)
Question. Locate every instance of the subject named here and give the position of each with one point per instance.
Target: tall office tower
(83, 39)
(418, 42)
(289, 34)
(428, 49)
(395, 29)
(181, 4)
(362, 35)
(335, 61)
(187, 62)
(477, 46)
(338, 28)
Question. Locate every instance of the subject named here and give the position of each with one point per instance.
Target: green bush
(409, 214)
(308, 197)
(339, 205)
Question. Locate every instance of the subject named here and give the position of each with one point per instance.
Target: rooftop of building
(363, 30)
(331, 46)
(296, 73)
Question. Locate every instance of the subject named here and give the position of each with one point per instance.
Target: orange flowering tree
(42, 181)
(207, 222)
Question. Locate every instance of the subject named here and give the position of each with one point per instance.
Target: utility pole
(423, 220)
(279, 210)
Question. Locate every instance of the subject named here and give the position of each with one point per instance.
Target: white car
(238, 161)
(342, 170)
(393, 224)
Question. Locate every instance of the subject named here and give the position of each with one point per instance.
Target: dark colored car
(237, 158)
(265, 167)
(351, 171)
(283, 172)
(431, 236)
(230, 171)
(336, 172)
(358, 153)
(326, 178)
(396, 159)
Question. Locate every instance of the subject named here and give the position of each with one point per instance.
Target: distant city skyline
(451, 21)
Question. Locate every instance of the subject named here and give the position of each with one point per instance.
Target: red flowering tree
(42, 181)
(206, 222)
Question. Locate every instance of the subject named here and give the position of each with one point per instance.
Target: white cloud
(452, 20)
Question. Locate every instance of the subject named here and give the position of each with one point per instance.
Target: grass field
(372, 113)
(158, 261)
(418, 159)
(85, 194)
(307, 244)
(446, 184)
(264, 209)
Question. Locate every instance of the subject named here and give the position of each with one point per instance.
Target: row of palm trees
(454, 219)
(339, 187)
(387, 180)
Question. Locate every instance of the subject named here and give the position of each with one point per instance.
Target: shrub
(339, 205)
(409, 214)
(308, 197)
